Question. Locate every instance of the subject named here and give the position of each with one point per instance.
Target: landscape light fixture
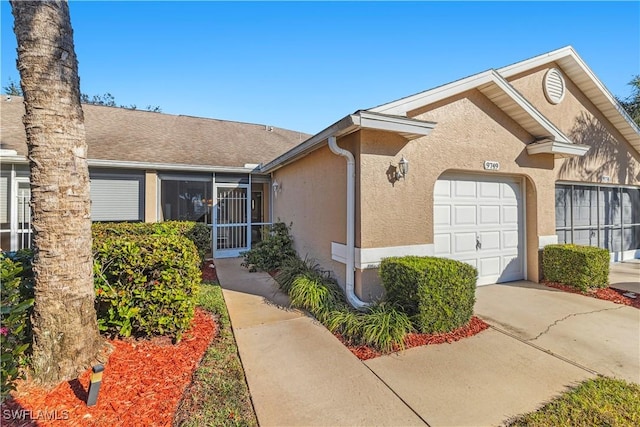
(94, 385)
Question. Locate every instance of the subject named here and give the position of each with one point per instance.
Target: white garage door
(479, 220)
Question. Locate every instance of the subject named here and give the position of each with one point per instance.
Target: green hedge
(16, 292)
(145, 284)
(275, 247)
(437, 293)
(583, 267)
(197, 232)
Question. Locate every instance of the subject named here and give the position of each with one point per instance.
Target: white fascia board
(536, 61)
(491, 77)
(167, 166)
(569, 55)
(404, 105)
(122, 164)
(410, 128)
(559, 149)
(341, 127)
(530, 109)
(407, 127)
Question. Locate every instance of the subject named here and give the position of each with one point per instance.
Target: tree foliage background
(631, 104)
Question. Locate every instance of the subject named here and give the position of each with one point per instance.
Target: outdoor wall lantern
(403, 168)
(277, 187)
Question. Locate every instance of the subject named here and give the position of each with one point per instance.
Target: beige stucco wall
(610, 154)
(470, 129)
(313, 199)
(150, 196)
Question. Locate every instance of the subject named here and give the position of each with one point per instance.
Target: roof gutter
(123, 164)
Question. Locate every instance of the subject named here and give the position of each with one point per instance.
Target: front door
(232, 213)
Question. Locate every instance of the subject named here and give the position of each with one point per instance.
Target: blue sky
(304, 65)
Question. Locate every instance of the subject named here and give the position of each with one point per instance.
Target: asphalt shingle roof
(141, 136)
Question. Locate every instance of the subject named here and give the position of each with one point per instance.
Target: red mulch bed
(209, 272)
(475, 326)
(608, 294)
(142, 384)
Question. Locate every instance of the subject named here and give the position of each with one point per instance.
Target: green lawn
(596, 402)
(218, 395)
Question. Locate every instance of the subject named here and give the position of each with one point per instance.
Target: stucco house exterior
(487, 169)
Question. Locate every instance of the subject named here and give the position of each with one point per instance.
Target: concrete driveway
(594, 334)
(625, 275)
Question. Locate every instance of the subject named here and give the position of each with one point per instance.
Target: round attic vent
(554, 86)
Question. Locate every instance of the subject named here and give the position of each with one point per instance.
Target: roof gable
(500, 92)
(494, 85)
(585, 79)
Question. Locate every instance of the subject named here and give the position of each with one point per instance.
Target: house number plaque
(490, 165)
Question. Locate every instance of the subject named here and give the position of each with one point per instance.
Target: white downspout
(351, 208)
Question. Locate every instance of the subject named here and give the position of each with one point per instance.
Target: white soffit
(581, 75)
(558, 149)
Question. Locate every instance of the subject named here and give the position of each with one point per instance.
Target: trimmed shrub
(275, 247)
(16, 294)
(437, 293)
(583, 267)
(145, 284)
(197, 232)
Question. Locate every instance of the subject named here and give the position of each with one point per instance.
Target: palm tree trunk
(66, 337)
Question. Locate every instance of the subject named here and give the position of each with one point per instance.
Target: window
(186, 199)
(117, 197)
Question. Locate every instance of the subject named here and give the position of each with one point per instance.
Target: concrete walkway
(299, 374)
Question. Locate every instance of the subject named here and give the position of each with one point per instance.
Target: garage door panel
(489, 190)
(442, 215)
(490, 266)
(442, 188)
(510, 215)
(442, 243)
(510, 239)
(488, 209)
(511, 265)
(464, 242)
(464, 189)
(490, 240)
(471, 261)
(489, 215)
(511, 191)
(464, 215)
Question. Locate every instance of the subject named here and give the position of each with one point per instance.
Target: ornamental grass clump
(382, 326)
(316, 295)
